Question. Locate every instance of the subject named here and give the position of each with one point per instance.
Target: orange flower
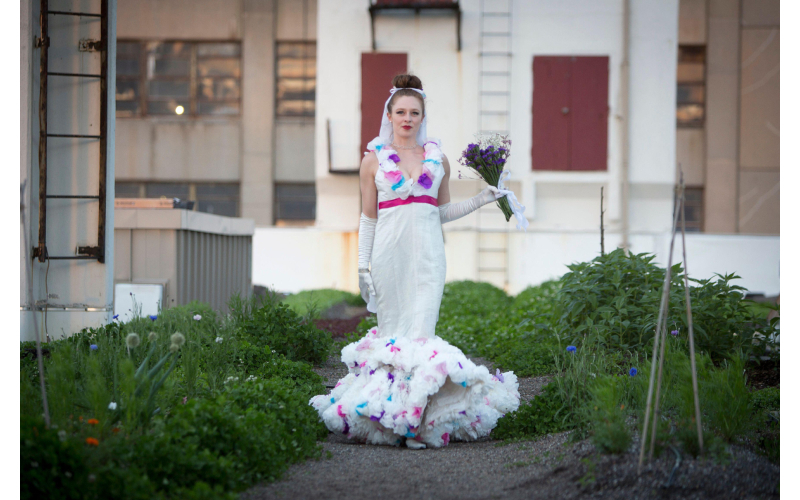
(115, 430)
(93, 421)
(80, 418)
(92, 441)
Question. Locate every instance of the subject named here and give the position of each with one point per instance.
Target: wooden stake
(689, 320)
(664, 307)
(602, 242)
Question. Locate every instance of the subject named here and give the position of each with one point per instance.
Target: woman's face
(406, 117)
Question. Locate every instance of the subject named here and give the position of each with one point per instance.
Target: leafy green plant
(535, 418)
(610, 434)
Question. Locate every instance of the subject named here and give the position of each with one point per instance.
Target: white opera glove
(366, 235)
(452, 211)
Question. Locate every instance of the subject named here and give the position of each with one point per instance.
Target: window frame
(276, 100)
(190, 112)
(692, 83)
(192, 186)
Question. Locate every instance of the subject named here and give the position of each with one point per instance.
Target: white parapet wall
(296, 259)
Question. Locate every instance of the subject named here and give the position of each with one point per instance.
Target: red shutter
(570, 113)
(377, 71)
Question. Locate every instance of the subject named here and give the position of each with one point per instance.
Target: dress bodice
(392, 183)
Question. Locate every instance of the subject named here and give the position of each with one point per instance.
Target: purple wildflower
(93, 347)
(674, 332)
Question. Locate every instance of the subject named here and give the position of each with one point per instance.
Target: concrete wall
(328, 259)
(75, 293)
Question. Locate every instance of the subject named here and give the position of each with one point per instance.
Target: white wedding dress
(403, 380)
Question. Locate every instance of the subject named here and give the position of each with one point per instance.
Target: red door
(570, 113)
(377, 71)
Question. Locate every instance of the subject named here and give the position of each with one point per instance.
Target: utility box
(183, 255)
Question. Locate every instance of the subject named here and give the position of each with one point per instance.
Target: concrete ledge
(127, 218)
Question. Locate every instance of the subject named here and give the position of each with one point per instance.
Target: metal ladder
(494, 106)
(43, 43)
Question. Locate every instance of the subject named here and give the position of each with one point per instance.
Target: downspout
(624, 105)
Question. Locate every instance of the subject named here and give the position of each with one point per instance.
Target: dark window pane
(127, 108)
(170, 107)
(218, 207)
(171, 67)
(127, 67)
(167, 190)
(126, 189)
(692, 53)
(223, 88)
(691, 72)
(167, 88)
(219, 49)
(292, 88)
(219, 67)
(218, 108)
(127, 90)
(295, 201)
(128, 49)
(691, 94)
(181, 50)
(690, 114)
(217, 191)
(296, 68)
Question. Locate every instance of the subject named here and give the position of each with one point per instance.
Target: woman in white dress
(406, 385)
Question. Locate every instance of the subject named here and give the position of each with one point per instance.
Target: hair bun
(407, 82)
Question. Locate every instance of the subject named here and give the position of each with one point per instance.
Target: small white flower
(219, 340)
(112, 406)
(178, 339)
(197, 317)
(62, 435)
(132, 340)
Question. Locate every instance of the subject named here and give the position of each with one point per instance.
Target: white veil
(387, 133)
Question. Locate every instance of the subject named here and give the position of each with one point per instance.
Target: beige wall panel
(692, 22)
(338, 202)
(197, 150)
(722, 83)
(133, 150)
(691, 155)
(290, 20)
(294, 159)
(176, 19)
(759, 203)
(122, 254)
(761, 99)
(258, 111)
(761, 12)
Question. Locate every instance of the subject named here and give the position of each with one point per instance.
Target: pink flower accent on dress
(446, 438)
(434, 355)
(395, 349)
(393, 176)
(417, 412)
(365, 344)
(442, 368)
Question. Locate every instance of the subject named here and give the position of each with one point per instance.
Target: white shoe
(414, 444)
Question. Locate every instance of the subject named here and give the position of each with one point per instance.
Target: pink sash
(411, 199)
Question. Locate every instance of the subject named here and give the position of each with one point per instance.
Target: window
(693, 210)
(295, 89)
(691, 85)
(208, 197)
(178, 78)
(294, 201)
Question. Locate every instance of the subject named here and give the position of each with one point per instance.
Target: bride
(406, 385)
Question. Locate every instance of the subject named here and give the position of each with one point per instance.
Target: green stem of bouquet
(492, 177)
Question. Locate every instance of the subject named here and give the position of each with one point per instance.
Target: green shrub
(535, 418)
(321, 299)
(767, 399)
(610, 433)
(281, 328)
(726, 400)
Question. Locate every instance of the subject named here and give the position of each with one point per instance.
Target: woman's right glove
(366, 235)
(452, 211)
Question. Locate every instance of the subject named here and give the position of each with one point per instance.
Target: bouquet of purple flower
(487, 158)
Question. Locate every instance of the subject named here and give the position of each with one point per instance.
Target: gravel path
(547, 468)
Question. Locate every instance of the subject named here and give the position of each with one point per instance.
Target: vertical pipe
(624, 105)
(44, 45)
(104, 47)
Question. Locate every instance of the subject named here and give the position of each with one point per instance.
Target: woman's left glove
(366, 235)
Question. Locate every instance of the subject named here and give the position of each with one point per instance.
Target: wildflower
(116, 316)
(185, 399)
(571, 348)
(674, 332)
(174, 347)
(92, 421)
(622, 407)
(197, 317)
(115, 430)
(112, 406)
(93, 347)
(633, 372)
(132, 340)
(218, 340)
(62, 435)
(153, 317)
(178, 339)
(92, 441)
(152, 336)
